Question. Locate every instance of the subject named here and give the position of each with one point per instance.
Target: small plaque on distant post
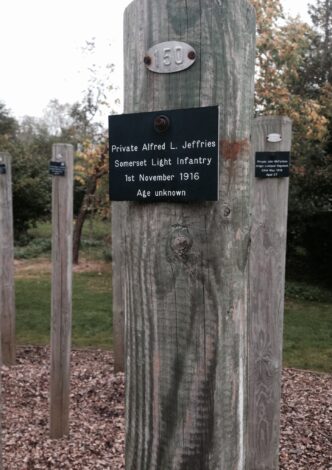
(165, 156)
(57, 168)
(3, 169)
(272, 164)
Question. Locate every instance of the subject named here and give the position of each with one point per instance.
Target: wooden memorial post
(7, 295)
(61, 167)
(3, 170)
(271, 138)
(186, 264)
(0, 421)
(118, 288)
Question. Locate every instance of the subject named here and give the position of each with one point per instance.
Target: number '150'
(169, 56)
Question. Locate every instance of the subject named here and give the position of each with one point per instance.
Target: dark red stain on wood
(232, 150)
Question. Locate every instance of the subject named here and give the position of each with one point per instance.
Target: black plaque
(272, 164)
(164, 156)
(3, 169)
(57, 168)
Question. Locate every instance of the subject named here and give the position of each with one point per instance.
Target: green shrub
(35, 248)
(107, 254)
(304, 291)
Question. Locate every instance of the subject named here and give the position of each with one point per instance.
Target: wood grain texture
(5, 201)
(118, 313)
(62, 235)
(186, 283)
(266, 308)
(7, 291)
(1, 467)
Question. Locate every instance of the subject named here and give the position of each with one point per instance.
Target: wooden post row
(185, 266)
(7, 294)
(62, 230)
(266, 279)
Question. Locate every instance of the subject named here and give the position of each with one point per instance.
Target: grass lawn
(307, 326)
(92, 308)
(308, 335)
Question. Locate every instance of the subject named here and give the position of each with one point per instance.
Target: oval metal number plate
(170, 57)
(274, 138)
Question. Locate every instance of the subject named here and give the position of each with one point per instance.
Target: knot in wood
(181, 241)
(227, 211)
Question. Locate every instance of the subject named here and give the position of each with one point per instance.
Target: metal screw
(161, 123)
(147, 60)
(191, 55)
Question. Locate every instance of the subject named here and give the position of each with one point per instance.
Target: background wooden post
(7, 295)
(0, 417)
(62, 235)
(117, 288)
(186, 265)
(0, 411)
(266, 310)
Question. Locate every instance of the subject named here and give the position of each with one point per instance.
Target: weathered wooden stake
(0, 411)
(267, 277)
(0, 417)
(62, 227)
(186, 265)
(117, 288)
(7, 295)
(0, 404)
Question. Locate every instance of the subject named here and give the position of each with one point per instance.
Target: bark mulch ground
(97, 416)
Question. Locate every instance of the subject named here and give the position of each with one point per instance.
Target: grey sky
(41, 48)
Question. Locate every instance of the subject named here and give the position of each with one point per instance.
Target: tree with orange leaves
(91, 168)
(282, 49)
(294, 78)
